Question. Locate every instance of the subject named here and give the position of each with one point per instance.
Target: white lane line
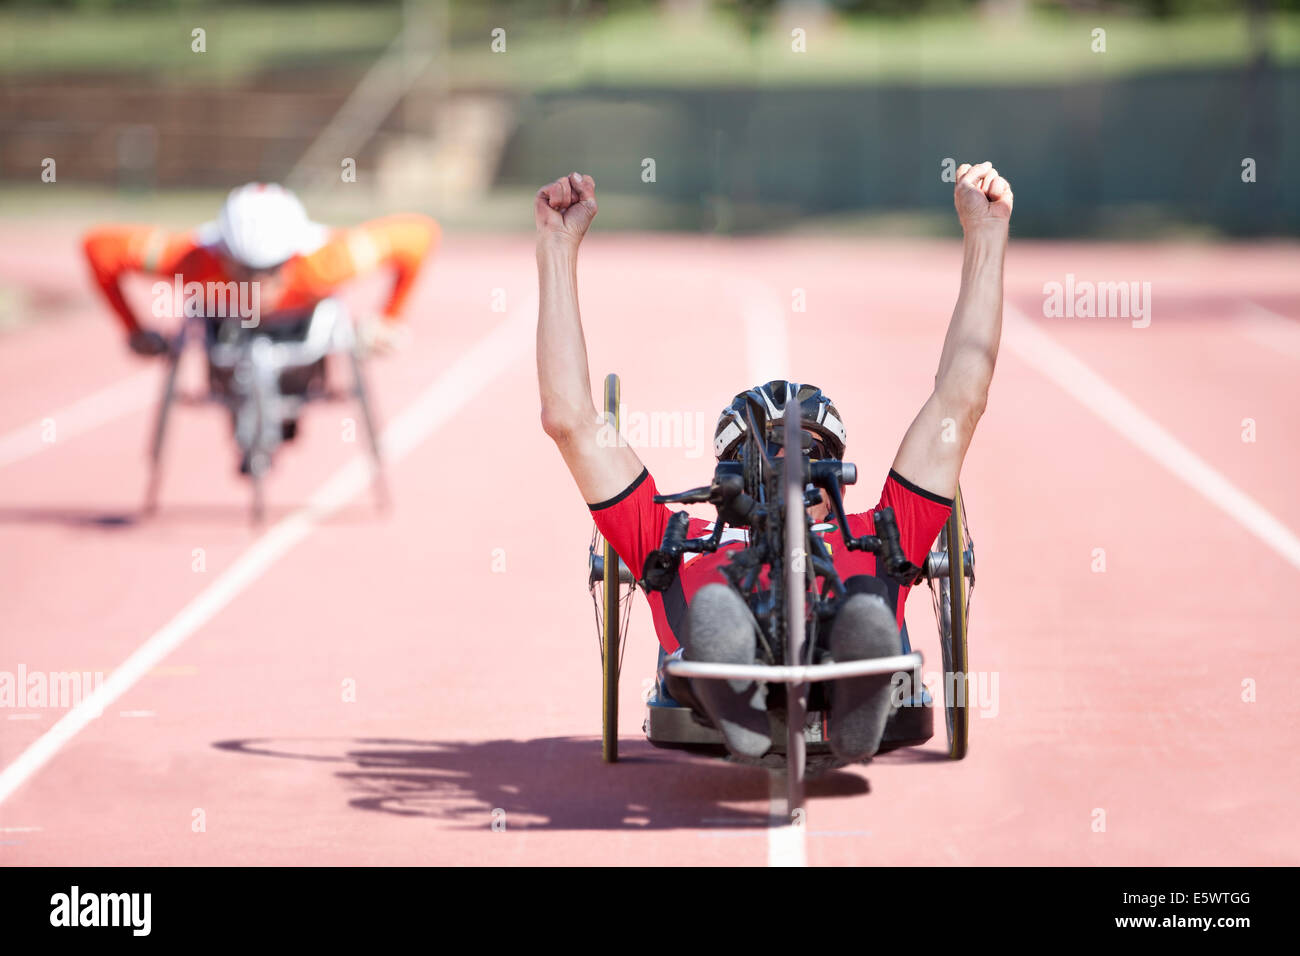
(457, 386)
(1039, 350)
(98, 408)
(767, 350)
(786, 842)
(768, 357)
(1271, 330)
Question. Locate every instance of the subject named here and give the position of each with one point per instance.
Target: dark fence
(1122, 157)
(1097, 158)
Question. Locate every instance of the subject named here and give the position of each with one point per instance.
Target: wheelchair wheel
(256, 426)
(951, 587)
(163, 416)
(259, 458)
(610, 643)
(362, 395)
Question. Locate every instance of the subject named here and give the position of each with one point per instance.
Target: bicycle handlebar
(891, 553)
(736, 507)
(661, 565)
(827, 470)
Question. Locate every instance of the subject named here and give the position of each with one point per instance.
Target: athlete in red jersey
(634, 525)
(700, 611)
(262, 235)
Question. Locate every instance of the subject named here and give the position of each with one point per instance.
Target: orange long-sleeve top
(400, 242)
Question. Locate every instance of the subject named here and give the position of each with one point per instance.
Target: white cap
(263, 225)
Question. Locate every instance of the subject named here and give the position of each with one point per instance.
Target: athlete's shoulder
(857, 520)
(898, 485)
(330, 256)
(149, 248)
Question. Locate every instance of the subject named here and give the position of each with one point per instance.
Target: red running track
(461, 624)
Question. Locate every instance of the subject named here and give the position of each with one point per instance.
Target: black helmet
(816, 411)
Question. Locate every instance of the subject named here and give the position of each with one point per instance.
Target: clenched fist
(379, 336)
(982, 197)
(564, 209)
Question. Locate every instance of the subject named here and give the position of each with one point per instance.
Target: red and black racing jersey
(634, 525)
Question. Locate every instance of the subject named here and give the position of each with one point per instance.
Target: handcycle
(264, 376)
(768, 496)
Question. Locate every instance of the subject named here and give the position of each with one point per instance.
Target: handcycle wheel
(610, 644)
(952, 599)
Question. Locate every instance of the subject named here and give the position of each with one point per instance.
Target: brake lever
(891, 555)
(661, 564)
(726, 493)
(885, 544)
(692, 497)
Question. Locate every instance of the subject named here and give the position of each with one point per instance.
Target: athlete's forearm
(409, 240)
(562, 375)
(107, 253)
(970, 349)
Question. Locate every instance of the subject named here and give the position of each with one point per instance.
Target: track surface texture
(347, 686)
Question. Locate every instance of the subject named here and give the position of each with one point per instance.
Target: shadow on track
(912, 755)
(232, 515)
(553, 783)
(71, 517)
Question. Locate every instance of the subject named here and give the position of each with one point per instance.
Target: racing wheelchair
(264, 376)
(768, 496)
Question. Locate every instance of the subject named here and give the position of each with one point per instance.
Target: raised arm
(601, 465)
(935, 445)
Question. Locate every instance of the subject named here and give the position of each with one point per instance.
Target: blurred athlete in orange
(263, 236)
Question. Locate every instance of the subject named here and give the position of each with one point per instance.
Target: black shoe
(721, 631)
(864, 628)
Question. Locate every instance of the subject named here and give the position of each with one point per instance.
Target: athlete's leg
(720, 630)
(865, 627)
